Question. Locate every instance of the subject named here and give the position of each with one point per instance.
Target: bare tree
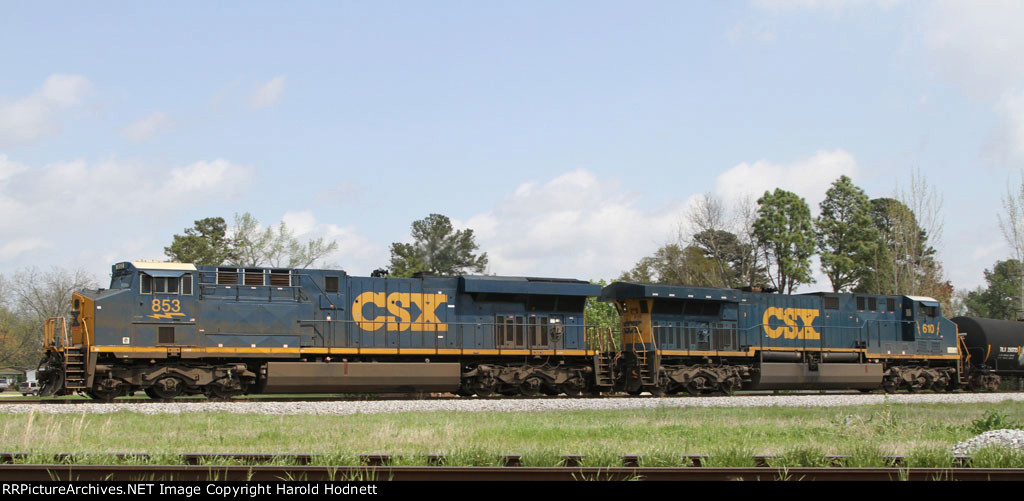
(1011, 222)
(709, 223)
(919, 267)
(274, 246)
(751, 270)
(48, 294)
(30, 297)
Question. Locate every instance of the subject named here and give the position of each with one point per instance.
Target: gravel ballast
(1010, 439)
(512, 405)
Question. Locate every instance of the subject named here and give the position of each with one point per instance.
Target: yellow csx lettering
(400, 319)
(791, 329)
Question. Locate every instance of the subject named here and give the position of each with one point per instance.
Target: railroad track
(186, 400)
(271, 473)
(379, 467)
(375, 398)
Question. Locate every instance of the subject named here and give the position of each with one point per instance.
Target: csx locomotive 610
(172, 329)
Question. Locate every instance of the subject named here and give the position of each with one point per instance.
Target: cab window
(165, 285)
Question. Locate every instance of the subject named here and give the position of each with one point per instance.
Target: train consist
(172, 329)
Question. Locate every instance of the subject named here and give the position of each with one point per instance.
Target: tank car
(993, 349)
(700, 340)
(172, 329)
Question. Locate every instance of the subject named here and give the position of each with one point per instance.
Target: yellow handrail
(50, 334)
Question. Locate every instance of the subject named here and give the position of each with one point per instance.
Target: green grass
(730, 436)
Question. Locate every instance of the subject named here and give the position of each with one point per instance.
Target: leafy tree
(673, 264)
(1001, 299)
(845, 234)
(19, 339)
(438, 249)
(204, 244)
(602, 316)
(708, 220)
(785, 233)
(277, 246)
(901, 253)
(902, 261)
(735, 261)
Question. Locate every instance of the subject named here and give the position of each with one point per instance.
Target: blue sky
(571, 136)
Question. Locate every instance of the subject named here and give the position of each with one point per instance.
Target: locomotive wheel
(992, 384)
(890, 385)
(530, 387)
(105, 394)
(166, 388)
(217, 391)
(695, 385)
(484, 387)
(574, 387)
(730, 385)
(976, 385)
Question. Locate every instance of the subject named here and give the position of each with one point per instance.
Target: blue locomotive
(700, 340)
(172, 329)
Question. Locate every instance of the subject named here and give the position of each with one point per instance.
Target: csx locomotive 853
(172, 329)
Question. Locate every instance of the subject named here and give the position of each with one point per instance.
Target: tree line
(870, 246)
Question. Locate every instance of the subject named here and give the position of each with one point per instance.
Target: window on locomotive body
(861, 303)
(145, 284)
(186, 284)
(331, 284)
(165, 285)
(830, 302)
(872, 304)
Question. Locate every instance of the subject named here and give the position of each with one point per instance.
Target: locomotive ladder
(603, 363)
(647, 374)
(74, 368)
(601, 340)
(55, 332)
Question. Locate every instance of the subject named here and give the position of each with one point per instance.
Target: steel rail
(34, 473)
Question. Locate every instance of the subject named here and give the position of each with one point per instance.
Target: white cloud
(219, 176)
(19, 246)
(985, 253)
(833, 5)
(1011, 110)
(356, 254)
(101, 205)
(571, 226)
(267, 94)
(810, 178)
(145, 128)
(976, 45)
(24, 121)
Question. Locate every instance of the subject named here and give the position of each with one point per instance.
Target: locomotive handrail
(456, 330)
(50, 338)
